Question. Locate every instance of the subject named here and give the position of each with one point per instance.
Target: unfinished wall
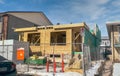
(76, 40)
(60, 39)
(61, 43)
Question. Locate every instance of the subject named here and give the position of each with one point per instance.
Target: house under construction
(59, 39)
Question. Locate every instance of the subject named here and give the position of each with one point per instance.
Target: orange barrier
(47, 66)
(54, 65)
(62, 64)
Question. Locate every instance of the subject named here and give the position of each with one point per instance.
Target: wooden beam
(77, 36)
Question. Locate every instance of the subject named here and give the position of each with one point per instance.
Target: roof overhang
(67, 26)
(109, 26)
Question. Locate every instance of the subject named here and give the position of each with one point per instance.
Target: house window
(102, 43)
(108, 43)
(34, 39)
(58, 38)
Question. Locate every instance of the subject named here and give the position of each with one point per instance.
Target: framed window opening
(58, 38)
(34, 39)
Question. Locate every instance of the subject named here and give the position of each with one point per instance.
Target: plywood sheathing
(45, 46)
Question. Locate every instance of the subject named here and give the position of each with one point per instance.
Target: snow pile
(93, 70)
(116, 69)
(72, 74)
(56, 74)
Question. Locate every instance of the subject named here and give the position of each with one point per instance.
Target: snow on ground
(116, 69)
(56, 74)
(41, 70)
(93, 70)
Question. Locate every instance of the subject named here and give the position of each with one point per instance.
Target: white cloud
(113, 18)
(90, 11)
(1, 1)
(91, 8)
(116, 3)
(79, 10)
(98, 2)
(38, 1)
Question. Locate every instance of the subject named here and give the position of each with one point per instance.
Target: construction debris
(75, 64)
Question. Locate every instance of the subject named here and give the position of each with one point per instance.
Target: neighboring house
(105, 41)
(113, 29)
(105, 46)
(64, 39)
(19, 19)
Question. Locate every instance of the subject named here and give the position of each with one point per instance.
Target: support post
(47, 65)
(62, 63)
(54, 65)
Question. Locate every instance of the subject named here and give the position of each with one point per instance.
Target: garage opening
(58, 38)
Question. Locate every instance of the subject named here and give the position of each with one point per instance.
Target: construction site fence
(8, 51)
(75, 47)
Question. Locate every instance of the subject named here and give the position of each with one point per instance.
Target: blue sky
(66, 11)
